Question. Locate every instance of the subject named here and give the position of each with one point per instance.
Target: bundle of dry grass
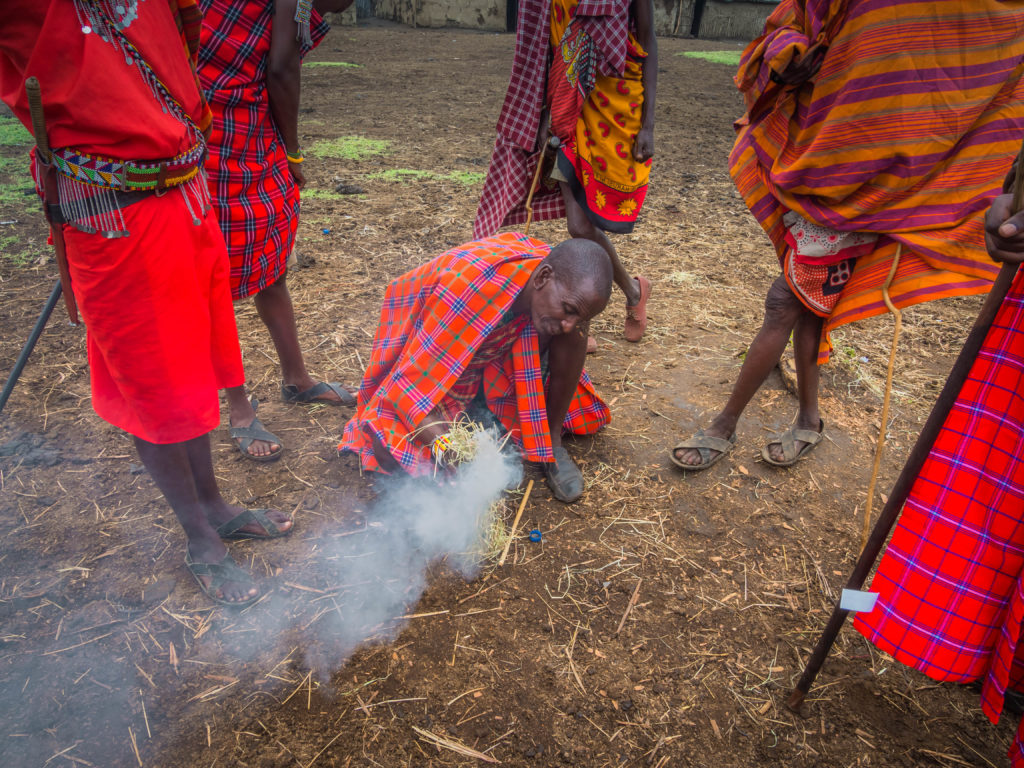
(462, 444)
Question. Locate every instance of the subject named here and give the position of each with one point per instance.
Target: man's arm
(643, 13)
(283, 86)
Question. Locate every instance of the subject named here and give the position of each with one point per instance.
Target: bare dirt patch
(661, 620)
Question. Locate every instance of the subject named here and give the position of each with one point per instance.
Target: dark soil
(109, 655)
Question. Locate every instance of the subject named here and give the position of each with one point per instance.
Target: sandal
(636, 314)
(703, 444)
(246, 436)
(232, 528)
(564, 478)
(314, 395)
(788, 440)
(218, 573)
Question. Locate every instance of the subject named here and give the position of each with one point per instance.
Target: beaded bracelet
(441, 444)
(295, 158)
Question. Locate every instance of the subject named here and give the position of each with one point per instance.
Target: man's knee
(580, 226)
(781, 306)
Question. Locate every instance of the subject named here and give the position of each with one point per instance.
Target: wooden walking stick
(880, 444)
(929, 432)
(552, 144)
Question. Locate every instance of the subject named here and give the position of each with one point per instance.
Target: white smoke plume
(371, 577)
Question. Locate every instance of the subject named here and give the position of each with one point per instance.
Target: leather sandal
(314, 395)
(232, 529)
(788, 440)
(703, 444)
(218, 574)
(246, 436)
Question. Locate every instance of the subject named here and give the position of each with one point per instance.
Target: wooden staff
(929, 432)
(552, 145)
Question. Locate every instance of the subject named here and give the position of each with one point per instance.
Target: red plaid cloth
(503, 201)
(951, 593)
(256, 199)
(443, 335)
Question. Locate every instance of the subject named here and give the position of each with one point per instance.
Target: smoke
(371, 577)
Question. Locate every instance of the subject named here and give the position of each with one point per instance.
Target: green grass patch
(732, 58)
(328, 195)
(13, 133)
(347, 64)
(18, 197)
(12, 252)
(350, 147)
(466, 178)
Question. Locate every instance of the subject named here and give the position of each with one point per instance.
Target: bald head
(584, 265)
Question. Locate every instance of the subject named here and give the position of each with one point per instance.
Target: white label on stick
(855, 600)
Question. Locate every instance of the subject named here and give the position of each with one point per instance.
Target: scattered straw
(454, 746)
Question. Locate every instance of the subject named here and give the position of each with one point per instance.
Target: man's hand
(297, 174)
(802, 68)
(643, 145)
(1004, 234)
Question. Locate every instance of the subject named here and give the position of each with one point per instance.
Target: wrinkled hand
(643, 145)
(1004, 234)
(297, 174)
(802, 68)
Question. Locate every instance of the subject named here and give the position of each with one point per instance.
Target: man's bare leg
(274, 305)
(806, 336)
(170, 466)
(580, 226)
(782, 311)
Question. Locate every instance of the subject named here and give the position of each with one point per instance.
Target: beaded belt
(125, 175)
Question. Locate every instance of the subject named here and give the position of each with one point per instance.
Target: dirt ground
(109, 655)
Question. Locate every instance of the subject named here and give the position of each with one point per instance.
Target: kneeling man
(502, 323)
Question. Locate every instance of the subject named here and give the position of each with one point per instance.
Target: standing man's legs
(783, 313)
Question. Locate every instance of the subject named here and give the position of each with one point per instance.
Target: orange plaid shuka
(434, 322)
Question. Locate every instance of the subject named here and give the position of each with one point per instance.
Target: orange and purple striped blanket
(906, 131)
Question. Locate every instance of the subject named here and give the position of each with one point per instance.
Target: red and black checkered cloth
(951, 593)
(256, 199)
(514, 160)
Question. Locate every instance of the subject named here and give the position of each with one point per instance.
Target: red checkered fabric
(514, 160)
(951, 583)
(445, 334)
(256, 199)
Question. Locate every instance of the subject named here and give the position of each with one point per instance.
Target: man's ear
(542, 276)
